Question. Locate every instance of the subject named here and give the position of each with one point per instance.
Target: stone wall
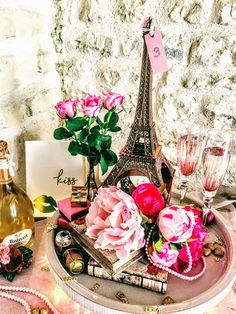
(99, 48)
(29, 83)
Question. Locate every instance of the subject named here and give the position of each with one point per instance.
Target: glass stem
(206, 208)
(183, 190)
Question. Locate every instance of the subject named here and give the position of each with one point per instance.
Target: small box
(71, 213)
(79, 196)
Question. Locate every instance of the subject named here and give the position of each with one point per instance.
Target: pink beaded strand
(28, 290)
(172, 272)
(16, 299)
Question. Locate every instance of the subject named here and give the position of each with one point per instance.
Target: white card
(51, 170)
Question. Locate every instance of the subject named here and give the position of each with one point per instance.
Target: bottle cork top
(3, 149)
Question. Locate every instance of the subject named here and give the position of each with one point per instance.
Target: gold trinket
(95, 287)
(50, 226)
(45, 268)
(122, 297)
(153, 309)
(74, 261)
(79, 196)
(43, 311)
(68, 278)
(36, 311)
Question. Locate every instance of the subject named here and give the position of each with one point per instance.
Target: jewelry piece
(172, 272)
(50, 226)
(95, 287)
(22, 301)
(122, 297)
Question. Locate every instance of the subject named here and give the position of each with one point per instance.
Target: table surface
(37, 278)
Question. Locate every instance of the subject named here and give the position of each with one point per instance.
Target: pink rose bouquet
(178, 240)
(88, 132)
(4, 254)
(114, 222)
(149, 199)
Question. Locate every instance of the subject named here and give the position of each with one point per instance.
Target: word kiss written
(64, 180)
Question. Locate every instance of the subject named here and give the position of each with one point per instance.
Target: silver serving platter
(192, 297)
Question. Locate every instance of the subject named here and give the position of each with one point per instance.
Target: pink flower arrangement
(149, 199)
(111, 100)
(176, 224)
(90, 105)
(66, 108)
(4, 253)
(166, 256)
(114, 222)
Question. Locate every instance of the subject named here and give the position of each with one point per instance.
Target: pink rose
(149, 199)
(66, 108)
(90, 105)
(111, 100)
(167, 256)
(176, 224)
(114, 222)
(4, 253)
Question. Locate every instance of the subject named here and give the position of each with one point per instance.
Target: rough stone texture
(29, 83)
(99, 48)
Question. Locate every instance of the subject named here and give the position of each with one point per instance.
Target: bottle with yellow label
(16, 209)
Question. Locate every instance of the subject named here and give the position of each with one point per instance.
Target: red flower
(149, 199)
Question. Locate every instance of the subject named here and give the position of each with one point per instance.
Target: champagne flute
(189, 150)
(215, 162)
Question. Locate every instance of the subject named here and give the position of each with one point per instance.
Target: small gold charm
(43, 311)
(36, 311)
(45, 268)
(153, 309)
(95, 287)
(122, 297)
(68, 278)
(50, 226)
(219, 241)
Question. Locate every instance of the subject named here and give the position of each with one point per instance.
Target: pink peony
(4, 253)
(149, 199)
(66, 108)
(114, 222)
(167, 256)
(176, 224)
(111, 100)
(90, 105)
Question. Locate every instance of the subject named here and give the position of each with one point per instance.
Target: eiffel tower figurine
(142, 156)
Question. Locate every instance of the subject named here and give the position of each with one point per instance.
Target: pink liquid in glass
(215, 164)
(189, 148)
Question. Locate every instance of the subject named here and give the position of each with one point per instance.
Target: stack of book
(132, 271)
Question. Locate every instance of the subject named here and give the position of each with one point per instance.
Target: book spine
(135, 280)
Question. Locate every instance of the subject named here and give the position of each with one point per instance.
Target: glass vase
(91, 178)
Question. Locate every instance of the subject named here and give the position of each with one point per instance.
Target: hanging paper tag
(156, 52)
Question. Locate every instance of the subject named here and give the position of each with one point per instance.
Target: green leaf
(105, 141)
(9, 276)
(95, 129)
(103, 165)
(84, 149)
(45, 204)
(76, 124)
(82, 135)
(94, 141)
(100, 123)
(114, 128)
(61, 133)
(26, 251)
(74, 148)
(158, 244)
(109, 156)
(176, 246)
(113, 119)
(144, 218)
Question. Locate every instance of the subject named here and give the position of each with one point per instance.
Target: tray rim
(208, 298)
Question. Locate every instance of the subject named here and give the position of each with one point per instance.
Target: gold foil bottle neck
(3, 149)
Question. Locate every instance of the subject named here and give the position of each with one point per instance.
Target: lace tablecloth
(38, 278)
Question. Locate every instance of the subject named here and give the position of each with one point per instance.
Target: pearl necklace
(4, 294)
(172, 272)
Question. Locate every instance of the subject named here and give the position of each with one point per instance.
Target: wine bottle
(16, 209)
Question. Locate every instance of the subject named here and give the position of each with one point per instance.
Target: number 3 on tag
(156, 52)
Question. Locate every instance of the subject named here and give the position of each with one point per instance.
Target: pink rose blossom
(66, 108)
(4, 254)
(149, 199)
(176, 224)
(90, 105)
(167, 256)
(114, 222)
(111, 100)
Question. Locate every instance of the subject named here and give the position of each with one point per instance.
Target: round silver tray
(190, 297)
